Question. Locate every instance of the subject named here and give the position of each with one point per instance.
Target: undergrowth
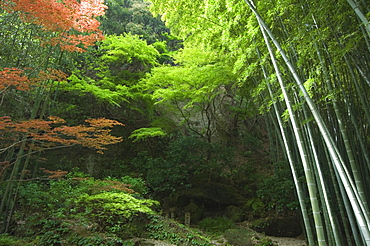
(79, 210)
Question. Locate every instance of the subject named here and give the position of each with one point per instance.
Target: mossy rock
(239, 237)
(234, 213)
(195, 212)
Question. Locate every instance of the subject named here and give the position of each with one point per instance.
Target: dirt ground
(288, 241)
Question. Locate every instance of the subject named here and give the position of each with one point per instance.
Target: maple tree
(58, 174)
(47, 135)
(17, 78)
(13, 77)
(36, 135)
(73, 22)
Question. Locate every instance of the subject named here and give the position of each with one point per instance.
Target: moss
(195, 211)
(160, 228)
(234, 213)
(239, 237)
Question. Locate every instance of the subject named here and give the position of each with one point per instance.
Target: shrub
(78, 207)
(106, 204)
(5, 240)
(160, 228)
(137, 184)
(113, 211)
(277, 191)
(216, 225)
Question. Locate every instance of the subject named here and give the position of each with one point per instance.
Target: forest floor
(279, 241)
(288, 241)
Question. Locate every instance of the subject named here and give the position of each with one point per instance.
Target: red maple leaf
(62, 18)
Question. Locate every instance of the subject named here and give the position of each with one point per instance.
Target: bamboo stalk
(360, 211)
(302, 150)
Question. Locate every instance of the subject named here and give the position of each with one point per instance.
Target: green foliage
(137, 184)
(216, 225)
(256, 205)
(57, 196)
(167, 230)
(194, 56)
(75, 209)
(161, 47)
(113, 94)
(224, 39)
(259, 224)
(178, 151)
(6, 240)
(128, 49)
(50, 197)
(95, 239)
(144, 133)
(197, 93)
(117, 213)
(277, 191)
(172, 170)
(109, 71)
(266, 242)
(104, 206)
(160, 174)
(133, 16)
(52, 236)
(214, 159)
(197, 79)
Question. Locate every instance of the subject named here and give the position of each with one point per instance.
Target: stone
(234, 213)
(278, 226)
(195, 212)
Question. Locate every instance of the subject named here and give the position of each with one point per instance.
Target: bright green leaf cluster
(122, 61)
(144, 133)
(116, 204)
(199, 77)
(128, 48)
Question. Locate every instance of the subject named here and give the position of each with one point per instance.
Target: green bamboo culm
(359, 210)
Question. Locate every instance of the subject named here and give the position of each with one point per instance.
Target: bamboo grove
(306, 65)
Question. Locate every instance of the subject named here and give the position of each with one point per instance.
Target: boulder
(278, 226)
(195, 211)
(234, 213)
